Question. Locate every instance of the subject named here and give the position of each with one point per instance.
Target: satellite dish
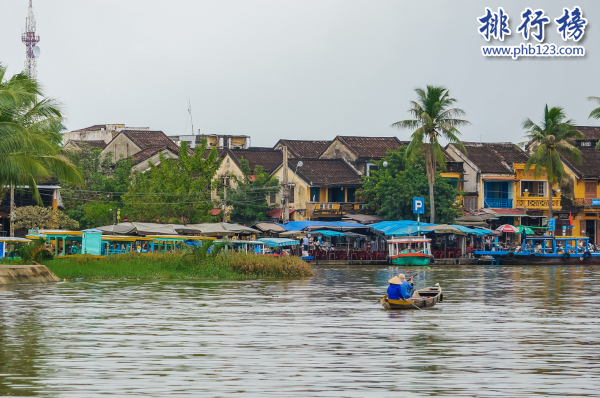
(36, 51)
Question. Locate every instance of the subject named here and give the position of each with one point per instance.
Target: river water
(500, 332)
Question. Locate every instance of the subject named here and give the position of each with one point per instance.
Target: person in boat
(399, 288)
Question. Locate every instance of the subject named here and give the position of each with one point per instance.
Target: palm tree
(595, 114)
(549, 141)
(30, 150)
(433, 119)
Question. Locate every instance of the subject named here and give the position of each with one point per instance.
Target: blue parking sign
(418, 205)
(552, 224)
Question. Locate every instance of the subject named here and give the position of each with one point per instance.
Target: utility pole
(12, 210)
(224, 199)
(286, 187)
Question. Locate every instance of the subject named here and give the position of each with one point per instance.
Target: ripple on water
(501, 331)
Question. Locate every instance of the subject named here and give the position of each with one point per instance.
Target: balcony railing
(340, 207)
(537, 202)
(499, 203)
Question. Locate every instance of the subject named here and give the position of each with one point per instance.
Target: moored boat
(410, 251)
(546, 250)
(422, 298)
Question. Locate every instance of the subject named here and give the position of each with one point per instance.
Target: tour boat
(422, 298)
(410, 251)
(546, 250)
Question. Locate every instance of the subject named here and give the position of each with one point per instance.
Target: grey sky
(294, 69)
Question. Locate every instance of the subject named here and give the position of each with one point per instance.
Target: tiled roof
(590, 132)
(590, 157)
(99, 144)
(149, 152)
(326, 172)
(268, 158)
(95, 127)
(370, 147)
(150, 139)
(305, 149)
(494, 157)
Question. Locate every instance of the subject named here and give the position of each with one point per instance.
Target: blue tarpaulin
(279, 242)
(472, 231)
(325, 232)
(400, 228)
(302, 225)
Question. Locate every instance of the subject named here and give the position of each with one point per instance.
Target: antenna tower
(30, 40)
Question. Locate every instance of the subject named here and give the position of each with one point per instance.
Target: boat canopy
(473, 231)
(279, 242)
(325, 232)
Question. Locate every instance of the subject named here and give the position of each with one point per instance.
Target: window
(272, 198)
(351, 193)
(535, 188)
(315, 194)
(470, 203)
(371, 167)
(335, 195)
(498, 194)
(292, 195)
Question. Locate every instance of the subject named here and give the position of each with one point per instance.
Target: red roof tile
(496, 158)
(150, 139)
(305, 149)
(98, 144)
(326, 172)
(370, 147)
(268, 158)
(95, 127)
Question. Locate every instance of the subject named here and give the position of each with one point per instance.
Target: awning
(325, 232)
(214, 212)
(445, 229)
(472, 231)
(279, 242)
(499, 179)
(506, 212)
(277, 213)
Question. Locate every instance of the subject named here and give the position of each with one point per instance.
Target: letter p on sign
(419, 205)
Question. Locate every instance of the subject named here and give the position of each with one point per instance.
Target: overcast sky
(306, 69)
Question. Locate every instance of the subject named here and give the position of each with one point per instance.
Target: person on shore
(399, 288)
(305, 243)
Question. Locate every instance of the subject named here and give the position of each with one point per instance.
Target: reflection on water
(501, 331)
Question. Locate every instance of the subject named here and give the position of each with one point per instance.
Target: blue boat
(543, 250)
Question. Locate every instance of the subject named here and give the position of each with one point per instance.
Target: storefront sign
(595, 202)
(552, 224)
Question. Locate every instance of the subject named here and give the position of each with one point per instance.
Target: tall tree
(30, 135)
(548, 142)
(391, 188)
(595, 114)
(434, 118)
(96, 204)
(177, 191)
(249, 197)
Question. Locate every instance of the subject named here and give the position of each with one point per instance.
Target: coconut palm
(549, 141)
(434, 118)
(30, 136)
(595, 114)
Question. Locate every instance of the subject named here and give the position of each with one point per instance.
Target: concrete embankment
(15, 274)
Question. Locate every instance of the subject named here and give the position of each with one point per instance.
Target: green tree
(595, 114)
(104, 184)
(30, 135)
(391, 189)
(177, 191)
(249, 197)
(549, 141)
(434, 118)
(42, 217)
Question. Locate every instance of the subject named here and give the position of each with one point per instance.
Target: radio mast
(30, 40)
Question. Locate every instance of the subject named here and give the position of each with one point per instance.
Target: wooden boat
(410, 251)
(422, 298)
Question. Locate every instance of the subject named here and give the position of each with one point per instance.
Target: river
(500, 332)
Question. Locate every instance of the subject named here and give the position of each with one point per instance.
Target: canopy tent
(144, 228)
(212, 229)
(525, 228)
(365, 219)
(123, 228)
(399, 228)
(472, 231)
(445, 229)
(325, 232)
(312, 225)
(293, 234)
(278, 242)
(269, 227)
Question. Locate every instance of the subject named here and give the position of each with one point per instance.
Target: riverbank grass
(236, 266)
